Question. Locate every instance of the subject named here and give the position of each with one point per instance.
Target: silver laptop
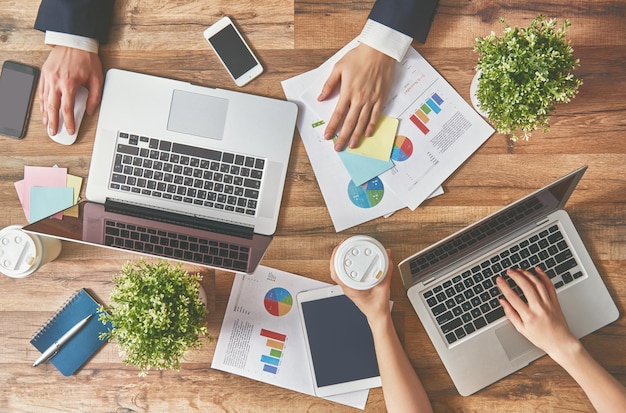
(452, 286)
(174, 162)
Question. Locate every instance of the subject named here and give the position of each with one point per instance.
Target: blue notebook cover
(84, 344)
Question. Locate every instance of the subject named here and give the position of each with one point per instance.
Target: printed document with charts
(438, 130)
(262, 338)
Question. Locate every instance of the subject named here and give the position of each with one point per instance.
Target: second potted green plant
(522, 75)
(157, 314)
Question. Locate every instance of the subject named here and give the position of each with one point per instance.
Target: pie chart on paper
(402, 149)
(278, 301)
(367, 195)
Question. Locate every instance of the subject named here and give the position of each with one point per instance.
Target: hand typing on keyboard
(541, 320)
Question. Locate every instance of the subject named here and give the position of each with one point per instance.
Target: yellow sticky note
(74, 182)
(379, 145)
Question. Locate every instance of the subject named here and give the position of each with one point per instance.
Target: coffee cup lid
(18, 252)
(361, 262)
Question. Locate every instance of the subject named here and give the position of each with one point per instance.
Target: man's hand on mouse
(65, 70)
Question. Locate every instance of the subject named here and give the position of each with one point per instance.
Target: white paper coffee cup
(22, 253)
(361, 262)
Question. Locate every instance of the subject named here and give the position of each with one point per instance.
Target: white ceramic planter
(474, 97)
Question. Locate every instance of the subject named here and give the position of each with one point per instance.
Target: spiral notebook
(80, 347)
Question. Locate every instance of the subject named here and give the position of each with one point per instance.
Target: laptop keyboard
(187, 174)
(468, 302)
(176, 246)
(501, 222)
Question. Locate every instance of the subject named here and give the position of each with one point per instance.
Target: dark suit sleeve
(88, 18)
(411, 17)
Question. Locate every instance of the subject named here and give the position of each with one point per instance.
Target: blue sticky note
(363, 168)
(48, 200)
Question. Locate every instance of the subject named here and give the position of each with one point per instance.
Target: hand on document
(364, 77)
(428, 131)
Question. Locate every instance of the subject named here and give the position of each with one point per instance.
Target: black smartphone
(17, 88)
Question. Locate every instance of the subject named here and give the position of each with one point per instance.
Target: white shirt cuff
(385, 39)
(71, 40)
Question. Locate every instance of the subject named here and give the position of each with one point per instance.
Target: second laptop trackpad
(197, 114)
(514, 344)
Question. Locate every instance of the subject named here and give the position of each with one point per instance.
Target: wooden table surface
(165, 38)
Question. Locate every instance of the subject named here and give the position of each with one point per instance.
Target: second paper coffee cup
(361, 262)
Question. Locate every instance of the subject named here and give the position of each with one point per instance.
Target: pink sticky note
(20, 188)
(39, 176)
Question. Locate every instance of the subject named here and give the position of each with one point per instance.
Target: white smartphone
(233, 52)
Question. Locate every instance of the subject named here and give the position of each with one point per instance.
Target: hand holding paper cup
(361, 262)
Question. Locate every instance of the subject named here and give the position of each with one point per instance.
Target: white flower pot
(474, 95)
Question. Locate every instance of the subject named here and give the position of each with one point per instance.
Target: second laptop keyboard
(187, 174)
(175, 245)
(468, 301)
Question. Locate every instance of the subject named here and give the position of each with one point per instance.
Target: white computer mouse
(80, 104)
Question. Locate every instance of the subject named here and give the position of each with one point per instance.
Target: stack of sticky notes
(45, 191)
(373, 155)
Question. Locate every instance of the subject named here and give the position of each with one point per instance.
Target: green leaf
(157, 314)
(523, 75)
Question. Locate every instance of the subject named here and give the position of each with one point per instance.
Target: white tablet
(339, 342)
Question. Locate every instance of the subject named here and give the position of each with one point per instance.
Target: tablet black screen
(340, 340)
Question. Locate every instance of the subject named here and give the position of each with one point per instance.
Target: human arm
(364, 74)
(541, 321)
(411, 17)
(402, 389)
(63, 72)
(73, 29)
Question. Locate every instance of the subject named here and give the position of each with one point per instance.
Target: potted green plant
(522, 75)
(156, 314)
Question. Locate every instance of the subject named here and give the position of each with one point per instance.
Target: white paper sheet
(262, 338)
(348, 205)
(449, 132)
(424, 156)
(452, 132)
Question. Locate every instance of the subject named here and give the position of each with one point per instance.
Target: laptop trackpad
(514, 343)
(197, 114)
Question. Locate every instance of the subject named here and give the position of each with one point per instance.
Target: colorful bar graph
(270, 360)
(271, 334)
(431, 107)
(270, 369)
(431, 104)
(422, 115)
(419, 124)
(437, 99)
(275, 343)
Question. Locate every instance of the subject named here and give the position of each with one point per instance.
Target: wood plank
(164, 38)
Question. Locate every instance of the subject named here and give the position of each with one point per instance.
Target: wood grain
(164, 37)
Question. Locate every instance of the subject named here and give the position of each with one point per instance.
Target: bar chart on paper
(430, 108)
(274, 343)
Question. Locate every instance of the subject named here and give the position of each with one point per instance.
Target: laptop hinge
(429, 280)
(140, 211)
(543, 221)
